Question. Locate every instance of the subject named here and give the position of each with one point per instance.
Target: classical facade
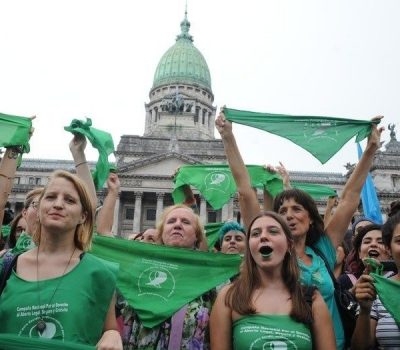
(179, 130)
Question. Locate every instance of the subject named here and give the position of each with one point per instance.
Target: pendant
(40, 326)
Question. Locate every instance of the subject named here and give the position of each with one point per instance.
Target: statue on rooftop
(392, 132)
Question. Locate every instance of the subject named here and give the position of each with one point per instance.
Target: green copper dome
(183, 62)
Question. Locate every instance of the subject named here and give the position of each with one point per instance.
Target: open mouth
(266, 251)
(373, 253)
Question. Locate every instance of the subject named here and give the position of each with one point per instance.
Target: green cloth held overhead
(15, 131)
(158, 280)
(314, 190)
(212, 231)
(323, 137)
(216, 183)
(102, 141)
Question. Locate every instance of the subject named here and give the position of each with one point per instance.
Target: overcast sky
(66, 59)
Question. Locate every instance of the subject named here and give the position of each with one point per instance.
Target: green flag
(15, 131)
(388, 291)
(158, 280)
(321, 136)
(216, 183)
(100, 140)
(18, 342)
(386, 288)
(314, 190)
(212, 236)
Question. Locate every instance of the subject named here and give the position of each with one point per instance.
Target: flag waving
(14, 131)
(102, 141)
(369, 198)
(216, 183)
(158, 280)
(321, 136)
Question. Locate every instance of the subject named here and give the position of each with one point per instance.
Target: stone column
(160, 204)
(138, 212)
(227, 211)
(203, 210)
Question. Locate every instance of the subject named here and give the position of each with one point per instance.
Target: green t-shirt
(270, 332)
(76, 312)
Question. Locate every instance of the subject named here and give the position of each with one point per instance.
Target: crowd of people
(282, 296)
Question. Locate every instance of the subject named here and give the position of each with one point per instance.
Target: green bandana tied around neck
(100, 140)
(321, 136)
(216, 184)
(387, 289)
(158, 280)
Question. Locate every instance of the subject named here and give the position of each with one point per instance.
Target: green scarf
(314, 190)
(388, 291)
(15, 131)
(17, 342)
(100, 140)
(158, 280)
(386, 288)
(212, 231)
(23, 244)
(216, 183)
(5, 230)
(321, 136)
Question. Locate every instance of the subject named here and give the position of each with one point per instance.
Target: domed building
(179, 130)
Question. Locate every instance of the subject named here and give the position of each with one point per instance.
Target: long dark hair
(354, 264)
(239, 295)
(316, 230)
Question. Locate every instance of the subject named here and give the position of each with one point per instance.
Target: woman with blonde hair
(187, 328)
(41, 298)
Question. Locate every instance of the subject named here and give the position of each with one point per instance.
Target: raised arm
(281, 170)
(105, 217)
(249, 206)
(77, 147)
(350, 196)
(8, 167)
(330, 204)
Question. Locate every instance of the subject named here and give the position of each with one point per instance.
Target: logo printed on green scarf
(320, 131)
(217, 181)
(157, 280)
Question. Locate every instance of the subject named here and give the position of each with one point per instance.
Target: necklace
(41, 324)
